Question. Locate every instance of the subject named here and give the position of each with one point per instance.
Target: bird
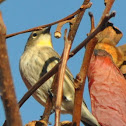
(107, 89)
(38, 58)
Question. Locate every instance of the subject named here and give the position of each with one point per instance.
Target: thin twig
(47, 111)
(47, 25)
(92, 22)
(60, 25)
(60, 80)
(6, 83)
(80, 81)
(108, 4)
(72, 53)
(75, 25)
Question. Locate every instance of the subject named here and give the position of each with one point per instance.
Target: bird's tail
(87, 118)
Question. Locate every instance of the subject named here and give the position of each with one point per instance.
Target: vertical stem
(60, 80)
(6, 83)
(80, 81)
(108, 7)
(62, 66)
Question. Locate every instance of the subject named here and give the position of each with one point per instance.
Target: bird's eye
(34, 35)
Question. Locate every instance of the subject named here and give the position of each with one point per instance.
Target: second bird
(38, 58)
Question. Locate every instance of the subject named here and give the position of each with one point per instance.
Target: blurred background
(25, 14)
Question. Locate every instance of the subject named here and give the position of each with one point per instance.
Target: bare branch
(81, 77)
(80, 81)
(75, 25)
(59, 26)
(108, 4)
(47, 111)
(60, 77)
(43, 26)
(95, 32)
(92, 22)
(6, 82)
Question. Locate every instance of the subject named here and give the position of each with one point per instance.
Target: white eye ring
(34, 35)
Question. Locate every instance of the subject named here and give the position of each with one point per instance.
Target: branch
(47, 25)
(99, 28)
(80, 81)
(65, 56)
(92, 22)
(47, 111)
(81, 77)
(75, 25)
(108, 4)
(6, 82)
(60, 76)
(60, 25)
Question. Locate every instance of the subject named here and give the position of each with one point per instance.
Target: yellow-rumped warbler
(38, 58)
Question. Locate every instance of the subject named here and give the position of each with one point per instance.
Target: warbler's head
(40, 38)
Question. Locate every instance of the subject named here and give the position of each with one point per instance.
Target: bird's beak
(47, 29)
